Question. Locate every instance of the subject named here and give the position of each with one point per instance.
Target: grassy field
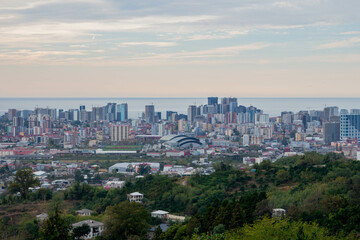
(122, 148)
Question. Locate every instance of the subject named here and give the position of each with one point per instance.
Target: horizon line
(1, 98)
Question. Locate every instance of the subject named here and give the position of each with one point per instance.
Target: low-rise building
(114, 184)
(278, 212)
(96, 228)
(84, 212)
(42, 216)
(160, 214)
(135, 197)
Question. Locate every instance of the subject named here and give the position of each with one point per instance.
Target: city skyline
(92, 48)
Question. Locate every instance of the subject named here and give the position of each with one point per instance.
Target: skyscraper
(150, 113)
(330, 111)
(213, 100)
(110, 110)
(331, 132)
(158, 115)
(98, 114)
(33, 121)
(191, 113)
(169, 115)
(124, 112)
(349, 126)
(11, 113)
(18, 121)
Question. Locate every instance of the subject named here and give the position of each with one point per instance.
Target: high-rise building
(98, 114)
(71, 139)
(169, 115)
(119, 132)
(18, 121)
(84, 116)
(331, 132)
(61, 114)
(355, 111)
(330, 111)
(213, 100)
(158, 116)
(350, 126)
(45, 122)
(72, 115)
(82, 108)
(33, 121)
(26, 113)
(11, 113)
(124, 112)
(49, 111)
(233, 107)
(191, 113)
(228, 100)
(110, 110)
(150, 113)
(287, 117)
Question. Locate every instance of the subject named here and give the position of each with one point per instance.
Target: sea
(136, 106)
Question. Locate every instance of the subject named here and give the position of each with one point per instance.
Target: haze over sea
(271, 106)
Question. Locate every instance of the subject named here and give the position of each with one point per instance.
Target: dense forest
(320, 193)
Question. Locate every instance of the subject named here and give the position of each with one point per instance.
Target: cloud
(341, 44)
(58, 32)
(25, 56)
(79, 46)
(209, 53)
(150, 44)
(31, 4)
(350, 33)
(173, 29)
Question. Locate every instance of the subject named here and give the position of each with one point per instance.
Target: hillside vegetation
(321, 194)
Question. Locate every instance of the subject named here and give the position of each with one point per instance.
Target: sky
(172, 48)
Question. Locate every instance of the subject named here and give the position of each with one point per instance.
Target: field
(122, 148)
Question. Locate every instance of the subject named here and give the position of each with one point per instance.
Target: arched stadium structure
(181, 141)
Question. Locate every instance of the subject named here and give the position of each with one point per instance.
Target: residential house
(160, 214)
(135, 197)
(96, 228)
(84, 212)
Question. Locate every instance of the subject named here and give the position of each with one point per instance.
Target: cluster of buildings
(220, 126)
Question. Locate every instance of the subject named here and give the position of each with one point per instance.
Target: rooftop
(90, 223)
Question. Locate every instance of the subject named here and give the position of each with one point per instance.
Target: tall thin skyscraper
(191, 113)
(124, 112)
(150, 113)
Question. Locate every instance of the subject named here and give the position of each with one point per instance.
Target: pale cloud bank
(150, 44)
(341, 44)
(176, 37)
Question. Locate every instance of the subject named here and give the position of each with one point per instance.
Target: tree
(55, 227)
(158, 233)
(144, 169)
(283, 176)
(97, 178)
(81, 231)
(125, 220)
(219, 229)
(24, 179)
(43, 194)
(129, 168)
(29, 230)
(270, 228)
(78, 176)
